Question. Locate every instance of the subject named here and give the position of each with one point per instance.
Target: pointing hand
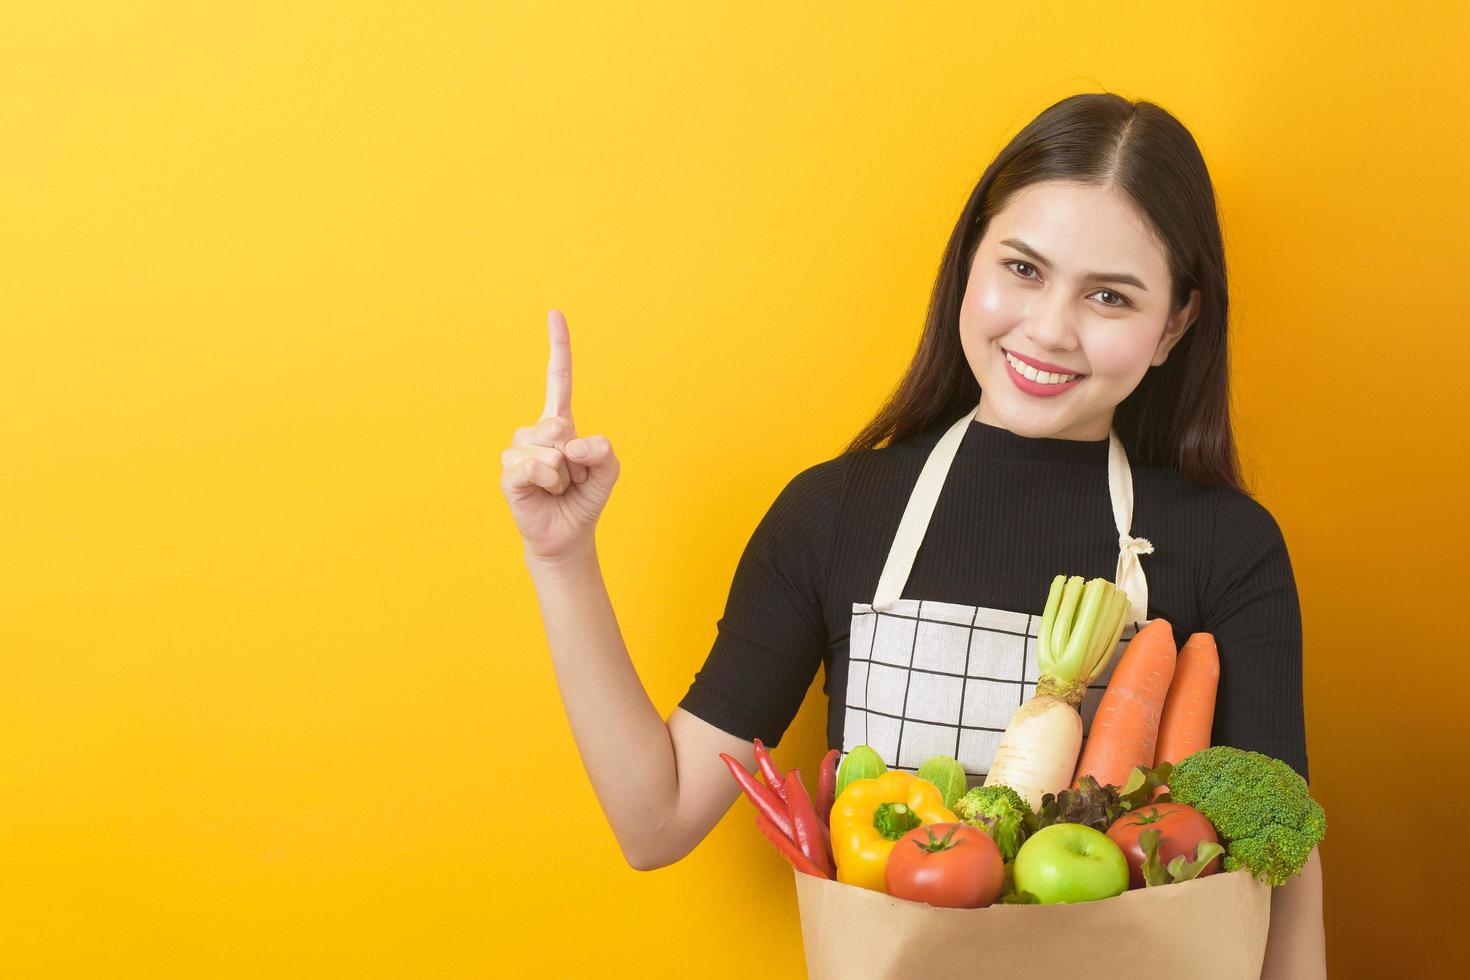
(555, 482)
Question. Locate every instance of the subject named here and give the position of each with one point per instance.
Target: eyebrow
(1121, 277)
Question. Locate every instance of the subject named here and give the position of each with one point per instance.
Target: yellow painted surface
(275, 696)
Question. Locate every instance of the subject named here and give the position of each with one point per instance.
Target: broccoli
(1000, 812)
(1260, 806)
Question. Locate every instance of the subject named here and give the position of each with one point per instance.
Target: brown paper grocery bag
(1209, 928)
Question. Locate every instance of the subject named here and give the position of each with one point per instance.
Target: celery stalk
(1066, 613)
(1109, 636)
(1044, 657)
(1123, 606)
(1074, 658)
(1079, 632)
(1109, 628)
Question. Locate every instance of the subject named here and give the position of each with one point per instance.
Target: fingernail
(577, 449)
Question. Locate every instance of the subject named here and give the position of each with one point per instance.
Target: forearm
(623, 741)
(1296, 948)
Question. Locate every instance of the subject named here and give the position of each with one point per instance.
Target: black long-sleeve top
(1014, 513)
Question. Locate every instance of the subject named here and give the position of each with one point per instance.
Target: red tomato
(952, 865)
(1181, 828)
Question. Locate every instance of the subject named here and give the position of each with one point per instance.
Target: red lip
(1041, 365)
(1036, 387)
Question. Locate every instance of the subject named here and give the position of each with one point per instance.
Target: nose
(1052, 325)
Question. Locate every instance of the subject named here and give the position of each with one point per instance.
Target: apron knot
(1138, 546)
(1129, 576)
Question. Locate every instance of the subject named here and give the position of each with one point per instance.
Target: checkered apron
(932, 678)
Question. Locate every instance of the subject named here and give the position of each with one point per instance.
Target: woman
(1082, 296)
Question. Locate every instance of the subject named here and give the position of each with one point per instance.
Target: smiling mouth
(1040, 377)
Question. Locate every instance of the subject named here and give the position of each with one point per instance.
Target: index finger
(559, 368)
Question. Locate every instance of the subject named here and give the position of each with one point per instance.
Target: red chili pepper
(791, 852)
(767, 803)
(827, 785)
(804, 821)
(768, 769)
(827, 843)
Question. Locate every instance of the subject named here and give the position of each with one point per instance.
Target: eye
(1010, 262)
(1122, 301)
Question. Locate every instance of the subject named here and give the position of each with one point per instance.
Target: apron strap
(1129, 576)
(915, 522)
(920, 508)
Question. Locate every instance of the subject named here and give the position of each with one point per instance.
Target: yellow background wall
(273, 291)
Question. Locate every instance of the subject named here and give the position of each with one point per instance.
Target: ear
(1174, 329)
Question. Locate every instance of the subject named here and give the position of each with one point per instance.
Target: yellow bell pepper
(871, 815)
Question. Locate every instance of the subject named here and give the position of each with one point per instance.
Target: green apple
(1070, 862)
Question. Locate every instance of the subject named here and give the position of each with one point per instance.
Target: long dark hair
(1179, 415)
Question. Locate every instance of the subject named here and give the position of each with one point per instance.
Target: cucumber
(947, 774)
(861, 763)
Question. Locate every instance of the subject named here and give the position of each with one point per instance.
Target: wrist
(565, 565)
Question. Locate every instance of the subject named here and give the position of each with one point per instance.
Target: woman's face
(1042, 288)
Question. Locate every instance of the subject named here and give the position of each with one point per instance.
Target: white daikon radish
(1079, 631)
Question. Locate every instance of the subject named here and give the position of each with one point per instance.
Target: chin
(1034, 430)
(1038, 431)
(1032, 426)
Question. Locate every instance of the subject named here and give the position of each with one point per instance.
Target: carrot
(1189, 711)
(1125, 729)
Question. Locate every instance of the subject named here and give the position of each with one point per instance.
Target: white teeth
(1041, 377)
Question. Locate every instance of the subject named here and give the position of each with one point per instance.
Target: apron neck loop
(915, 522)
